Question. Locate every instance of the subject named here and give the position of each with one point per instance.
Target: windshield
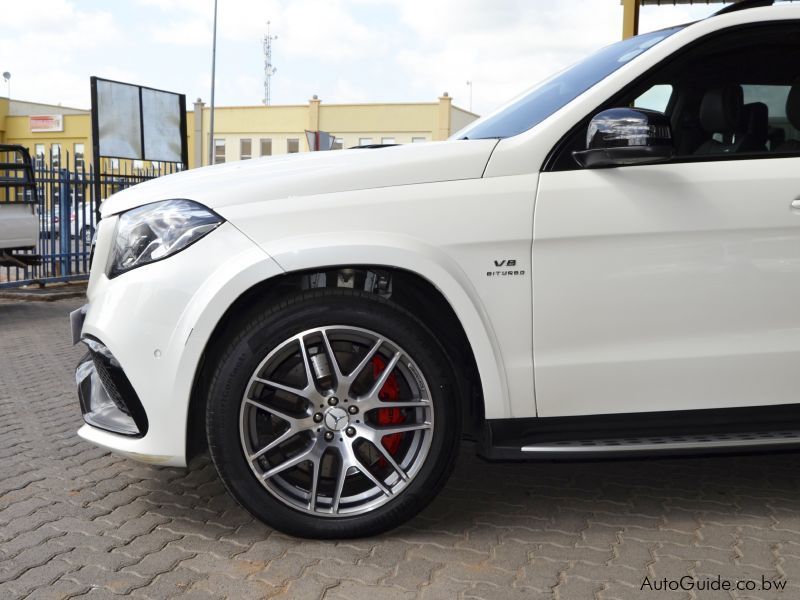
(537, 104)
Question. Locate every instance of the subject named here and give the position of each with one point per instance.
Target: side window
(733, 95)
(775, 99)
(656, 98)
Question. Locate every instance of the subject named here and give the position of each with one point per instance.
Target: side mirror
(626, 136)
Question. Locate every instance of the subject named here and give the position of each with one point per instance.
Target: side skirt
(643, 434)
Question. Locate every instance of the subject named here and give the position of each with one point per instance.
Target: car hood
(309, 173)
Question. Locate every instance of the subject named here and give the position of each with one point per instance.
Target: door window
(656, 98)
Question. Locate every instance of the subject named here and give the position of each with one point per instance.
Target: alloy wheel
(336, 421)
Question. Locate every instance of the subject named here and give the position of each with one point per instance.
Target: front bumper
(147, 330)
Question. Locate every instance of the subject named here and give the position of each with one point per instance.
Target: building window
(338, 144)
(418, 140)
(266, 147)
(78, 153)
(388, 140)
(138, 164)
(292, 145)
(364, 141)
(114, 163)
(245, 149)
(55, 156)
(219, 151)
(39, 155)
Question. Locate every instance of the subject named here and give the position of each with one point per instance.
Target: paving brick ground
(76, 521)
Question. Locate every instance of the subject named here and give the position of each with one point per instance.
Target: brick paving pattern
(78, 522)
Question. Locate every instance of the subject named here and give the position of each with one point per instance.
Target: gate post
(65, 235)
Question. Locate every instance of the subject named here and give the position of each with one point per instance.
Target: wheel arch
(467, 346)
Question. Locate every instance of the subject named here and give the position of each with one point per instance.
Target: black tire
(255, 335)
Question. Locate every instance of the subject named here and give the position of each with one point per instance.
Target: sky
(342, 50)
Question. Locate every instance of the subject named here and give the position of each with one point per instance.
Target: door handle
(796, 204)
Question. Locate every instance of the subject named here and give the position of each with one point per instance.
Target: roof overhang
(662, 2)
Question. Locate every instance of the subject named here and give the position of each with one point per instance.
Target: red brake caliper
(390, 392)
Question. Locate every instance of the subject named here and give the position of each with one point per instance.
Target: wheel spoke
(390, 459)
(364, 362)
(288, 464)
(310, 391)
(280, 386)
(306, 363)
(337, 494)
(315, 468)
(378, 483)
(401, 428)
(372, 404)
(295, 423)
(332, 357)
(378, 386)
(289, 433)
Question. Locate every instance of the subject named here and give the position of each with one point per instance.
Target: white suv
(608, 265)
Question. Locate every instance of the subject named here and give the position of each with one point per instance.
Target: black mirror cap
(620, 157)
(626, 136)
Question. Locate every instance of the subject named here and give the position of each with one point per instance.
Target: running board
(672, 443)
(610, 436)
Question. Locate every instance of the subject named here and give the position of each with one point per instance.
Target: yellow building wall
(77, 130)
(402, 123)
(378, 118)
(3, 114)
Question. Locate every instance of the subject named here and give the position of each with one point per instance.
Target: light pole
(213, 67)
(469, 83)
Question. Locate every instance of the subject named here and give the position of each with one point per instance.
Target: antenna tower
(269, 69)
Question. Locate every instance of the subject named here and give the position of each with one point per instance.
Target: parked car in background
(19, 225)
(81, 221)
(606, 266)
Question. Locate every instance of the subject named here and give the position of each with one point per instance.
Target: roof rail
(744, 5)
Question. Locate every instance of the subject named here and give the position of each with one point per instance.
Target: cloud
(502, 47)
(194, 32)
(44, 55)
(326, 31)
(343, 50)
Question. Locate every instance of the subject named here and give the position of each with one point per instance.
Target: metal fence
(66, 207)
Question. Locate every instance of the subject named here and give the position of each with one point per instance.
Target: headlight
(155, 231)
